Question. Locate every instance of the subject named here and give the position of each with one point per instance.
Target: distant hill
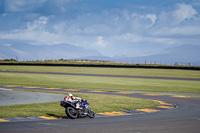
(25, 51)
(181, 55)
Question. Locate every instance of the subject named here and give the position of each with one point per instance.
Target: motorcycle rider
(75, 100)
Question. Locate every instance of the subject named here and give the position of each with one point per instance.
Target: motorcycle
(73, 113)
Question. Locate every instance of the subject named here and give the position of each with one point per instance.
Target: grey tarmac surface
(177, 126)
(184, 119)
(10, 97)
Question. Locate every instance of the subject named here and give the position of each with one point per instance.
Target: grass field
(98, 103)
(108, 71)
(92, 82)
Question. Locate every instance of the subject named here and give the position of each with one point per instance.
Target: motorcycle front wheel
(91, 113)
(71, 112)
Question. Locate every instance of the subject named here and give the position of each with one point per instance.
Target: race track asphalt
(183, 119)
(9, 97)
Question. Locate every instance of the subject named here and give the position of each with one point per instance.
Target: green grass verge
(91, 82)
(98, 103)
(108, 71)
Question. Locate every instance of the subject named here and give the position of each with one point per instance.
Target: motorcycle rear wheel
(91, 113)
(71, 112)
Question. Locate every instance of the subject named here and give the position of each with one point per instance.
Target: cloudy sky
(112, 27)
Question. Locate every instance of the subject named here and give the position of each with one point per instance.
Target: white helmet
(70, 95)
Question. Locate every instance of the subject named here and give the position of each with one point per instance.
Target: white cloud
(139, 39)
(37, 24)
(36, 32)
(138, 21)
(40, 32)
(36, 5)
(152, 17)
(183, 12)
(176, 17)
(180, 24)
(22, 5)
(100, 42)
